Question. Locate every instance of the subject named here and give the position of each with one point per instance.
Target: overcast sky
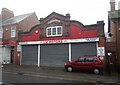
(86, 11)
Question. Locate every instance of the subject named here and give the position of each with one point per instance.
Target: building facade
(113, 44)
(57, 39)
(10, 26)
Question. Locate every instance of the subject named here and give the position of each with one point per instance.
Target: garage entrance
(54, 55)
(83, 49)
(29, 55)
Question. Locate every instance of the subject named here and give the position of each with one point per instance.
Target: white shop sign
(61, 41)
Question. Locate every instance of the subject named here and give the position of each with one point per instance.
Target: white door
(6, 54)
(1, 55)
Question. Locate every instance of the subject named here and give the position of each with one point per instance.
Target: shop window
(54, 31)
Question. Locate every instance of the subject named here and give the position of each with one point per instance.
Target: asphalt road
(23, 78)
(26, 74)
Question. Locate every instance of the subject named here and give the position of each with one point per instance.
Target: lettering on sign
(91, 39)
(52, 41)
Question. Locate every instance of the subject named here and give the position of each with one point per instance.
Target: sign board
(18, 48)
(61, 41)
(101, 51)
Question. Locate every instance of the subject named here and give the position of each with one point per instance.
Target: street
(27, 74)
(14, 79)
(17, 78)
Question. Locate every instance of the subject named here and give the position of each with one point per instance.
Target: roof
(114, 14)
(54, 13)
(14, 20)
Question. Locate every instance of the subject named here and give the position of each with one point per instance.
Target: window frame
(54, 31)
(13, 31)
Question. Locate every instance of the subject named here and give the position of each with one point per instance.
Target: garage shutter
(54, 55)
(83, 49)
(29, 55)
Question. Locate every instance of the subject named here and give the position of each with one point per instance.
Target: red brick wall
(7, 32)
(101, 42)
(112, 31)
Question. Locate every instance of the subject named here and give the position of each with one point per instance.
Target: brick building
(57, 39)
(10, 26)
(113, 43)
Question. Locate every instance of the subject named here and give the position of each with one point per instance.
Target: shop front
(54, 53)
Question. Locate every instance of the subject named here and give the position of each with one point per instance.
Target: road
(13, 78)
(29, 74)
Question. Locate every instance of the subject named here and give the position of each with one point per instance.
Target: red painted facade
(71, 30)
(75, 33)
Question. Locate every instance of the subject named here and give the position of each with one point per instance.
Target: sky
(85, 11)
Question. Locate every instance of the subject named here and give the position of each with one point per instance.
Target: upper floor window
(1, 32)
(13, 31)
(54, 31)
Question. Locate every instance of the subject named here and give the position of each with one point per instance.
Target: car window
(95, 60)
(89, 60)
(81, 60)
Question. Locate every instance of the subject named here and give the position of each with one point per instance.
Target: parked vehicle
(85, 63)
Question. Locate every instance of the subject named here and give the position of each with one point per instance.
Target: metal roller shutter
(54, 55)
(83, 49)
(29, 55)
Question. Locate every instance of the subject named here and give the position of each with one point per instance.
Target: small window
(13, 31)
(54, 31)
(49, 31)
(59, 30)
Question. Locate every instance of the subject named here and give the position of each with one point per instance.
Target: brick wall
(7, 32)
(28, 23)
(24, 25)
(112, 31)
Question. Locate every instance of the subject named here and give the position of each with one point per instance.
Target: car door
(88, 64)
(80, 64)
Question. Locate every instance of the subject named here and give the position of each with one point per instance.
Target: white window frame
(13, 31)
(56, 32)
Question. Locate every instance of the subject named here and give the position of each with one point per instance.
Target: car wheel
(96, 71)
(69, 69)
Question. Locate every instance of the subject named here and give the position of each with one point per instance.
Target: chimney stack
(68, 16)
(6, 13)
(112, 5)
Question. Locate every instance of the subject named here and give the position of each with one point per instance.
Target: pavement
(60, 73)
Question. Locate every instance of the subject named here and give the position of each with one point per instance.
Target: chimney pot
(41, 19)
(68, 16)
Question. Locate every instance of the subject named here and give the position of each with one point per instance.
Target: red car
(85, 63)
